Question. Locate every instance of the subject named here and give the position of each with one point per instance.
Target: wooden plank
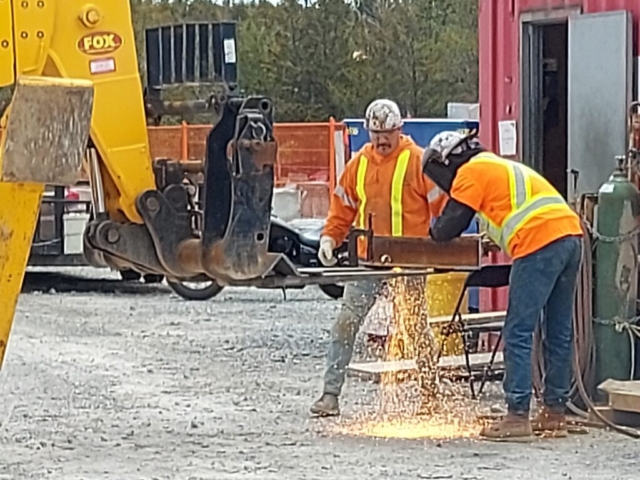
(472, 318)
(623, 395)
(373, 370)
(628, 419)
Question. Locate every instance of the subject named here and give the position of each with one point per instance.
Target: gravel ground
(144, 385)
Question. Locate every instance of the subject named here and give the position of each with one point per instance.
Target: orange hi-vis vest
(400, 199)
(517, 207)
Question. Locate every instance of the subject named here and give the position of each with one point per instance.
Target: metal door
(531, 68)
(600, 83)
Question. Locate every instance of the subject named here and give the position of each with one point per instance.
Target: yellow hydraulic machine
(45, 135)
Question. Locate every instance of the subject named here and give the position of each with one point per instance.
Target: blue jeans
(546, 279)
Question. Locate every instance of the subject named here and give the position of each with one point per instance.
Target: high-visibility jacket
(393, 189)
(517, 207)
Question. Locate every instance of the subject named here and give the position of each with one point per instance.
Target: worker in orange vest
(385, 180)
(529, 220)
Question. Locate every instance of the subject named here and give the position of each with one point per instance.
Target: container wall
(499, 44)
(499, 82)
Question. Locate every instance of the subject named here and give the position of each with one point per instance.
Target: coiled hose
(584, 349)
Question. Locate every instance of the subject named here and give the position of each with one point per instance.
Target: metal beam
(464, 253)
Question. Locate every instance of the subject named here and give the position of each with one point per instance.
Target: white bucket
(287, 203)
(74, 225)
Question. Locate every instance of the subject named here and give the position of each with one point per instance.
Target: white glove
(327, 244)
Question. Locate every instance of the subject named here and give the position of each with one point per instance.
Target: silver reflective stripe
(434, 193)
(512, 222)
(487, 227)
(346, 199)
(520, 185)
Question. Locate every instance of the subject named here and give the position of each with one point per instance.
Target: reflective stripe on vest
(434, 193)
(523, 204)
(362, 195)
(396, 192)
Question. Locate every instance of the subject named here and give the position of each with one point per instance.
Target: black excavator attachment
(223, 233)
(238, 191)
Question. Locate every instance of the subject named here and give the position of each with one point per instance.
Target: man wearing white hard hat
(383, 180)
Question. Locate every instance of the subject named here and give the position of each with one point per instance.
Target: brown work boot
(512, 428)
(550, 424)
(326, 406)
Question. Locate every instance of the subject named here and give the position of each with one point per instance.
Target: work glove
(327, 244)
(488, 245)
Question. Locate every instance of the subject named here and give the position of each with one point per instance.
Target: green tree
(332, 57)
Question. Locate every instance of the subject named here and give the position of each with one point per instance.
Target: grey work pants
(357, 301)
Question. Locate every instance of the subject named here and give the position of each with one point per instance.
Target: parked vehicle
(299, 241)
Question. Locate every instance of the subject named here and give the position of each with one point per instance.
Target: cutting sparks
(423, 406)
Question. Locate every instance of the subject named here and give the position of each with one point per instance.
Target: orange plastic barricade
(310, 156)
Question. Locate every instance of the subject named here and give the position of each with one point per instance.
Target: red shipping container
(534, 55)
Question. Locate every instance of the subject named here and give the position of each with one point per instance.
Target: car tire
(197, 294)
(129, 275)
(333, 290)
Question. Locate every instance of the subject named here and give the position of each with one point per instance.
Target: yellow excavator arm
(94, 41)
(163, 228)
(7, 74)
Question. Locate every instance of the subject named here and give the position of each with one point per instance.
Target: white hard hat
(382, 116)
(443, 142)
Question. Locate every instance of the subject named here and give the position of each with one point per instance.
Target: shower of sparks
(424, 406)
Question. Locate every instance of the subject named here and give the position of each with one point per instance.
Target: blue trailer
(422, 130)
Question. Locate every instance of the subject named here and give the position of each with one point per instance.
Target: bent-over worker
(385, 180)
(523, 214)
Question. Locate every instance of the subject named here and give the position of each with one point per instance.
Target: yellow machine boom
(75, 39)
(45, 135)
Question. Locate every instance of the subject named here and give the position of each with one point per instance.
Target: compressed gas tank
(616, 275)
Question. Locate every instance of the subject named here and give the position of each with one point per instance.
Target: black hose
(584, 346)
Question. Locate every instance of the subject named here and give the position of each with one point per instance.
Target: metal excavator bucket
(47, 129)
(44, 135)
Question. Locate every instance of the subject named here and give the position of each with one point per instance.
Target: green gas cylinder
(616, 275)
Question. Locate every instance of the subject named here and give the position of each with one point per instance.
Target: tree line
(332, 57)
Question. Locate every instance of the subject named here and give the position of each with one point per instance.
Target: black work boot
(326, 406)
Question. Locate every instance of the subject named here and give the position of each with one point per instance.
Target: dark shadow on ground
(64, 283)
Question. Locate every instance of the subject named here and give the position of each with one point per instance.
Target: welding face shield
(447, 152)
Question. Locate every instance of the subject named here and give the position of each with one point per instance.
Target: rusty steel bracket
(129, 242)
(239, 182)
(168, 220)
(464, 253)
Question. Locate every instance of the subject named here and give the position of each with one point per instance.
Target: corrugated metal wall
(499, 56)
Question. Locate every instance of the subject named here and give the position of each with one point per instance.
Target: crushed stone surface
(150, 386)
